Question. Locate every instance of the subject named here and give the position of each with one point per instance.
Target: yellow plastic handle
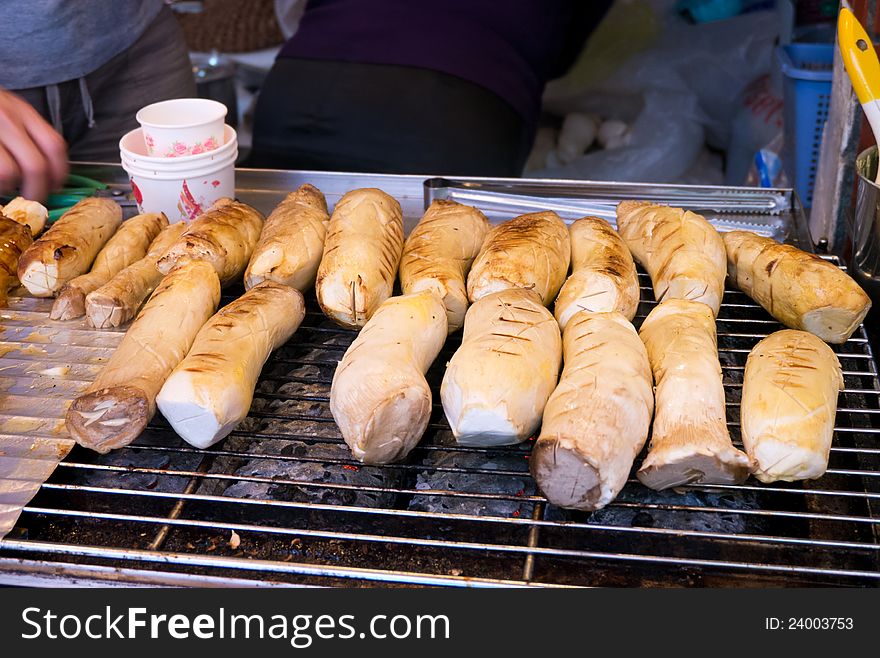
(859, 57)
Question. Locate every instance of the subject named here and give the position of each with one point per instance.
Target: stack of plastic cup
(182, 158)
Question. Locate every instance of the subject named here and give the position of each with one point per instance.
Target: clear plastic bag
(663, 143)
(678, 94)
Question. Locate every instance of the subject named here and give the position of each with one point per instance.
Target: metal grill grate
(305, 512)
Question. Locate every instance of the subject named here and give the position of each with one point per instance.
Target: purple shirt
(511, 47)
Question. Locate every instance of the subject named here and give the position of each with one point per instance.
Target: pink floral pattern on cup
(179, 149)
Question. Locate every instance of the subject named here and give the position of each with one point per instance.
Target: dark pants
(344, 116)
(156, 67)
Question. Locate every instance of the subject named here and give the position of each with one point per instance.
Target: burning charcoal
(294, 389)
(284, 463)
(280, 372)
(293, 408)
(729, 359)
(134, 458)
(249, 425)
(303, 428)
(461, 480)
(639, 516)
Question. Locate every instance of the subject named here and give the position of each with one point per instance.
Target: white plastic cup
(182, 195)
(182, 127)
(133, 147)
(182, 188)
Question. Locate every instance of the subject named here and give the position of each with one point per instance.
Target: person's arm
(32, 154)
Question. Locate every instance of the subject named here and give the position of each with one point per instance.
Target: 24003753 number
(821, 623)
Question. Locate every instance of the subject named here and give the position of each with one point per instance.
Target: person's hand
(32, 154)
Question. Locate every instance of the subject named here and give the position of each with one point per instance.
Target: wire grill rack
(281, 500)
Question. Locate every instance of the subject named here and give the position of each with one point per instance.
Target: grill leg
(175, 512)
(529, 566)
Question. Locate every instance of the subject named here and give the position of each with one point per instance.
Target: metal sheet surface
(43, 365)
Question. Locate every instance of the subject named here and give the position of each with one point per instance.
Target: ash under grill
(284, 482)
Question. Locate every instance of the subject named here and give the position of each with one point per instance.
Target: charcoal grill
(281, 501)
